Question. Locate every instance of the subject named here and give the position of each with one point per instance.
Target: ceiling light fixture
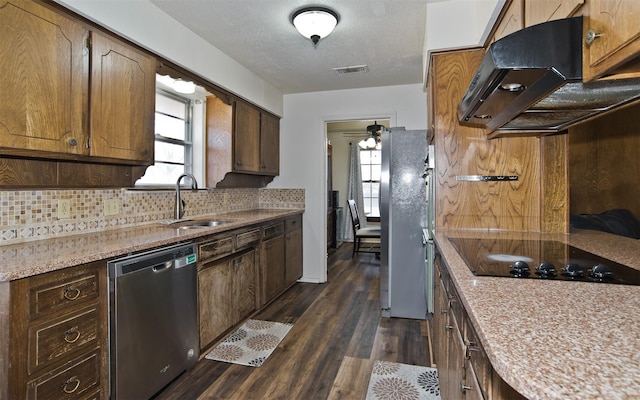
(315, 23)
(373, 142)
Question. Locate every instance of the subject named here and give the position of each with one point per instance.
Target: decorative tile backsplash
(34, 214)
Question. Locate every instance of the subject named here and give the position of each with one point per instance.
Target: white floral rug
(402, 382)
(251, 344)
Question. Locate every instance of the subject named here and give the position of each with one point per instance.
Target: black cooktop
(540, 259)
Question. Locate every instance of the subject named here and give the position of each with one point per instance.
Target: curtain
(354, 191)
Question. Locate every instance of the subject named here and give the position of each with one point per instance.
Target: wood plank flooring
(338, 333)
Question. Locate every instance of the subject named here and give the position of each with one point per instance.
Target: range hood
(531, 82)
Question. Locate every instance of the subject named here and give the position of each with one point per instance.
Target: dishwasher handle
(162, 266)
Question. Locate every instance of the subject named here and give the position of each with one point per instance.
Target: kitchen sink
(204, 224)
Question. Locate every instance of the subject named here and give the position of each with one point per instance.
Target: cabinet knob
(73, 142)
(71, 385)
(591, 36)
(464, 388)
(145, 152)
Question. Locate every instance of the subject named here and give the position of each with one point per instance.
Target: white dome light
(315, 23)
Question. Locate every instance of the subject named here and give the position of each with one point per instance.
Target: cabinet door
(512, 21)
(244, 285)
(470, 385)
(246, 138)
(440, 313)
(214, 301)
(617, 36)
(122, 101)
(538, 11)
(269, 144)
(43, 80)
(455, 360)
(274, 267)
(293, 250)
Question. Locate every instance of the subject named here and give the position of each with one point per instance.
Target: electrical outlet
(111, 207)
(64, 208)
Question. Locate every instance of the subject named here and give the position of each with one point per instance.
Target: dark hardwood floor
(338, 333)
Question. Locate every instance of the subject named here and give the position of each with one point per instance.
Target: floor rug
(402, 382)
(251, 344)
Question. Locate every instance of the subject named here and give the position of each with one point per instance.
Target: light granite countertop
(37, 257)
(555, 339)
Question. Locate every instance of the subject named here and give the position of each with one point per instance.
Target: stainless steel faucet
(180, 206)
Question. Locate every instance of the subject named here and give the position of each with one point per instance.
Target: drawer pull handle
(71, 293)
(72, 335)
(464, 388)
(71, 385)
(448, 327)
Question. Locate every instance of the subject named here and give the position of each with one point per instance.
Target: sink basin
(204, 224)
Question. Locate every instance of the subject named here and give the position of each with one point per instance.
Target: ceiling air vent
(356, 69)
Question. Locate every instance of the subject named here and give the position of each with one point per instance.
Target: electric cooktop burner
(540, 259)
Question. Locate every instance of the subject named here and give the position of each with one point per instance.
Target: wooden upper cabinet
(256, 141)
(269, 144)
(612, 37)
(246, 137)
(122, 101)
(538, 11)
(68, 92)
(44, 70)
(511, 21)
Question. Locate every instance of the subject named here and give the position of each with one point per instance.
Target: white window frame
(187, 143)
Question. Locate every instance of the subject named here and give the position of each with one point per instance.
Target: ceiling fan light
(371, 142)
(315, 23)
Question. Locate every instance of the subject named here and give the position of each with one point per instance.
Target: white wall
(303, 148)
(458, 24)
(146, 25)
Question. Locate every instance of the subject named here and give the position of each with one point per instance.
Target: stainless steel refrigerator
(406, 274)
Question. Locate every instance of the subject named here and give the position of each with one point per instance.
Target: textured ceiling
(386, 35)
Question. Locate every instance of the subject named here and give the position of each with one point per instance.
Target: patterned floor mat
(251, 344)
(402, 382)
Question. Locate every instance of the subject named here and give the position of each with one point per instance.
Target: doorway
(341, 134)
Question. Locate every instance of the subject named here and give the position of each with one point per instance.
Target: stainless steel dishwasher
(153, 320)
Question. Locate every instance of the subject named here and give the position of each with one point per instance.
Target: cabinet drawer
(53, 340)
(273, 230)
(58, 294)
(293, 223)
(247, 239)
(74, 380)
(216, 248)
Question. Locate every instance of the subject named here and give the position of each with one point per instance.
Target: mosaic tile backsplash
(34, 215)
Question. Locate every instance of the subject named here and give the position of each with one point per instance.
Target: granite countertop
(37, 257)
(555, 339)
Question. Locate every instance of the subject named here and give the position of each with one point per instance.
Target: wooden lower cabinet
(464, 370)
(214, 289)
(242, 270)
(243, 287)
(226, 294)
(273, 267)
(293, 250)
(55, 342)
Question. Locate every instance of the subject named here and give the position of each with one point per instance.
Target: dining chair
(371, 234)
